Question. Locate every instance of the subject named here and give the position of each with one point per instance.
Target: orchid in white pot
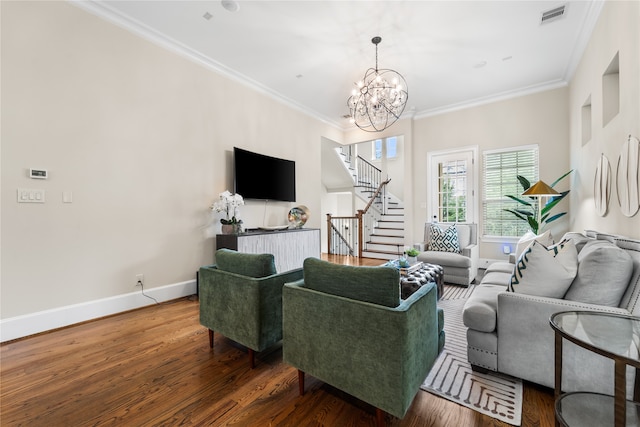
(229, 204)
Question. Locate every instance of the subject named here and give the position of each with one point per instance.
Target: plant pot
(412, 259)
(231, 228)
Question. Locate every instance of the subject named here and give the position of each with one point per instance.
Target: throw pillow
(545, 272)
(579, 239)
(604, 272)
(444, 240)
(545, 238)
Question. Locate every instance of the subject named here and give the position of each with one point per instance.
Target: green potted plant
(412, 254)
(528, 211)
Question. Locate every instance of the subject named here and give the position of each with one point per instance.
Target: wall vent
(553, 14)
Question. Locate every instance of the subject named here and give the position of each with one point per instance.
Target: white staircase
(386, 240)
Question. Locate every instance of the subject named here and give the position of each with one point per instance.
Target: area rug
(498, 396)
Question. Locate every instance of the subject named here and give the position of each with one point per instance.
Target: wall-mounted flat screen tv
(257, 176)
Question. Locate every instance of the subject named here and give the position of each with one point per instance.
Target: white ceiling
(453, 54)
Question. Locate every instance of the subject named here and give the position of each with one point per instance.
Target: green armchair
(348, 327)
(241, 298)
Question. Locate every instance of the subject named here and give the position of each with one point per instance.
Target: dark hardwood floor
(154, 367)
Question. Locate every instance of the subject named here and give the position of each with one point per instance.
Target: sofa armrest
(375, 353)
(472, 252)
(526, 341)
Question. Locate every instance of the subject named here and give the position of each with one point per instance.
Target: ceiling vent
(552, 14)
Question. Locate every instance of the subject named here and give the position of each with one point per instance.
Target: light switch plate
(29, 195)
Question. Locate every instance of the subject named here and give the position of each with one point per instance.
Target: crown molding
(542, 87)
(586, 31)
(109, 14)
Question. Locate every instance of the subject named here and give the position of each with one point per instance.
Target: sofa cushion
(579, 239)
(500, 266)
(377, 285)
(481, 309)
(546, 272)
(448, 259)
(545, 238)
(631, 298)
(604, 271)
(444, 240)
(251, 265)
(500, 278)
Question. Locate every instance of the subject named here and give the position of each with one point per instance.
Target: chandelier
(378, 99)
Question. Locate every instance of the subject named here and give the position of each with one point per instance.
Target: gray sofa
(510, 333)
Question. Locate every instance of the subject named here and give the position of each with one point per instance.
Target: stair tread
(371, 242)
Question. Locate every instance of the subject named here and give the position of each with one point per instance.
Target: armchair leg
(210, 338)
(301, 382)
(252, 358)
(380, 419)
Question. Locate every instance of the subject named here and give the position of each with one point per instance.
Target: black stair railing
(368, 176)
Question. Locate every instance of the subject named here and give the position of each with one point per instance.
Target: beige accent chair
(459, 268)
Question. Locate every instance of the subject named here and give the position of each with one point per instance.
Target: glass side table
(610, 335)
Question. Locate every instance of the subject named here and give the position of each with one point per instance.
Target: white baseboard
(29, 324)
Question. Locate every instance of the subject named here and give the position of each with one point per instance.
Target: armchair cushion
(445, 258)
(377, 285)
(251, 265)
(444, 240)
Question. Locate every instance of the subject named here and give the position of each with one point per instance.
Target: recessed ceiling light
(230, 5)
(480, 64)
(207, 16)
(506, 58)
(299, 76)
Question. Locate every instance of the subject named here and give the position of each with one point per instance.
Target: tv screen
(257, 176)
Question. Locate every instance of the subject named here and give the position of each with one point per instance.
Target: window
(452, 194)
(377, 148)
(501, 168)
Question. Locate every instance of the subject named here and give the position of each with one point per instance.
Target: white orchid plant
(228, 204)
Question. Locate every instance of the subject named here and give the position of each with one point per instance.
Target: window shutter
(501, 168)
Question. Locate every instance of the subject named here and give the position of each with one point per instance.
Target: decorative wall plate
(627, 178)
(602, 185)
(298, 216)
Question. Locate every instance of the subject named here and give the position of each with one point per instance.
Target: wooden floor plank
(153, 366)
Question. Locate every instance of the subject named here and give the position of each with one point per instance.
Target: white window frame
(384, 151)
(471, 153)
(505, 200)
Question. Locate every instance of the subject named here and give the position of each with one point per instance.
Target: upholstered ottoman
(413, 280)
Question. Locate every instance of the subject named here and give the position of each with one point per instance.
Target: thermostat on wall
(38, 173)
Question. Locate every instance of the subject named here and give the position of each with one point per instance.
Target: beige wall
(541, 119)
(143, 139)
(617, 31)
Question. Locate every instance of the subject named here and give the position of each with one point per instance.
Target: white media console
(289, 247)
